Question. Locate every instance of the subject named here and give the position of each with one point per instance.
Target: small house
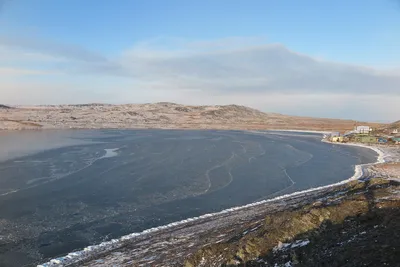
(337, 139)
(395, 131)
(363, 129)
(396, 140)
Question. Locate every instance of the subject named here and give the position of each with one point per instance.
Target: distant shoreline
(163, 116)
(172, 127)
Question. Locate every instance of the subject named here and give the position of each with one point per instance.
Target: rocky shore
(353, 223)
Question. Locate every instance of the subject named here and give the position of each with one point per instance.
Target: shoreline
(108, 246)
(174, 127)
(381, 154)
(299, 131)
(359, 168)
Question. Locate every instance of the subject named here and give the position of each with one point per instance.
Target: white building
(395, 131)
(362, 129)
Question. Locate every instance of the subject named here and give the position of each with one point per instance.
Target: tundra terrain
(161, 115)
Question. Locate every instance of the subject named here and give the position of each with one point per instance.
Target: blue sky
(302, 53)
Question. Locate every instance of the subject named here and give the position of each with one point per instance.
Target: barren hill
(394, 125)
(159, 115)
(389, 129)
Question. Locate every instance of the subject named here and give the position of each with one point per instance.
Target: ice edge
(90, 251)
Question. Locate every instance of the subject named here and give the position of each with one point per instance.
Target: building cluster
(365, 134)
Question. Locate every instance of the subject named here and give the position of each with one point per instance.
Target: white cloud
(262, 68)
(20, 71)
(232, 70)
(68, 51)
(38, 93)
(9, 54)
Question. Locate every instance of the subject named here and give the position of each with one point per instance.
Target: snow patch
(110, 152)
(284, 246)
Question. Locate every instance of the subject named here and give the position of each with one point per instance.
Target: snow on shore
(104, 247)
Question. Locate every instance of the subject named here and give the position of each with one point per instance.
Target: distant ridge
(162, 115)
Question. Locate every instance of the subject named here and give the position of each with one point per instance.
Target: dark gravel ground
(365, 239)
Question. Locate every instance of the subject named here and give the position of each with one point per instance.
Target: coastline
(106, 247)
(299, 131)
(161, 115)
(381, 154)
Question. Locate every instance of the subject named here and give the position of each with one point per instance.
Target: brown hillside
(162, 115)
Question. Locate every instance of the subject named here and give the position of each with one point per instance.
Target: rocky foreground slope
(158, 115)
(355, 226)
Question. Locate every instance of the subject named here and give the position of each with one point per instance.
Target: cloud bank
(265, 68)
(247, 71)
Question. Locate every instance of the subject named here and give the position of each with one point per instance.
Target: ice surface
(116, 243)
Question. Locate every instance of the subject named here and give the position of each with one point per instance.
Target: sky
(335, 59)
